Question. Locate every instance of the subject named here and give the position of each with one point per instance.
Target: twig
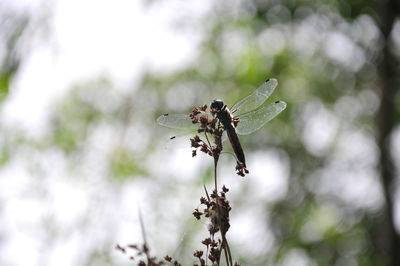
(145, 246)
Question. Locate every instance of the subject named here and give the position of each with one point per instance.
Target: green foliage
(4, 155)
(4, 84)
(123, 165)
(324, 84)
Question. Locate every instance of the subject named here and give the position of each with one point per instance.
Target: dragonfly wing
(177, 121)
(224, 136)
(256, 99)
(252, 121)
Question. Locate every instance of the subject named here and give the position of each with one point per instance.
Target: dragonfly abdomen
(236, 146)
(226, 118)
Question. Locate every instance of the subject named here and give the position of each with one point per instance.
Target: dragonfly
(243, 118)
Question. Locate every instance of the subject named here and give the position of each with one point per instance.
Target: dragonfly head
(217, 104)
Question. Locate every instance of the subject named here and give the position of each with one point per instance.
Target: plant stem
(215, 173)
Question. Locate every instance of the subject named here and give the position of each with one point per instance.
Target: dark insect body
(225, 117)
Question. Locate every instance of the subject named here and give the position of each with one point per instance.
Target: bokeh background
(82, 83)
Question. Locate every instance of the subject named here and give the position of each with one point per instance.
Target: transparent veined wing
(252, 121)
(255, 99)
(177, 121)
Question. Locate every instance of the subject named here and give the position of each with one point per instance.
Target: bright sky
(119, 39)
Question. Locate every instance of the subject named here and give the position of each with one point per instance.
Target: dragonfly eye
(217, 104)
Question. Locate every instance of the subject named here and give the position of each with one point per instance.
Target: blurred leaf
(4, 84)
(124, 165)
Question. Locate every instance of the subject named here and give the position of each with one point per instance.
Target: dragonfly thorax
(217, 104)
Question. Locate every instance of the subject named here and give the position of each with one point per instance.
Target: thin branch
(145, 246)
